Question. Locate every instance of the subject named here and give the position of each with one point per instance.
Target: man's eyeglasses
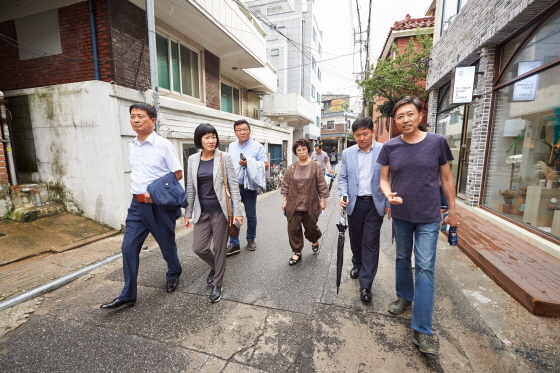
(242, 130)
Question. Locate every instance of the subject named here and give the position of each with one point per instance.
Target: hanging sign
(526, 90)
(463, 85)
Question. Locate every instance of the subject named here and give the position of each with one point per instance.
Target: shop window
(230, 99)
(178, 67)
(524, 156)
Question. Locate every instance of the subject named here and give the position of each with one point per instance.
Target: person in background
(413, 166)
(206, 195)
(304, 192)
(322, 158)
(252, 152)
(151, 157)
(366, 205)
(333, 157)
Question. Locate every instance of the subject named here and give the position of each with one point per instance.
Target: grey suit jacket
(348, 179)
(192, 185)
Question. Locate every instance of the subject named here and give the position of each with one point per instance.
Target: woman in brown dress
(304, 192)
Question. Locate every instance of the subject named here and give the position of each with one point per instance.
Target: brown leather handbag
(233, 229)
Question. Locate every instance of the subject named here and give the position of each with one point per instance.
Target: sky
(337, 24)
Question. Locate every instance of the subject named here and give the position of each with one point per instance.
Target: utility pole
(151, 20)
(367, 68)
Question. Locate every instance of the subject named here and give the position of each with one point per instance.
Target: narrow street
(275, 318)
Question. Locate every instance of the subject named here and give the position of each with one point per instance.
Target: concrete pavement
(272, 317)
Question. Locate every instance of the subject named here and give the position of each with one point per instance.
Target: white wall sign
(526, 90)
(463, 85)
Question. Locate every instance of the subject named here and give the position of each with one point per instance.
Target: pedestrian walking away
(322, 158)
(152, 158)
(366, 204)
(209, 173)
(304, 193)
(413, 167)
(251, 162)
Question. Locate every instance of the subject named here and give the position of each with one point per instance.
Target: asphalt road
(275, 318)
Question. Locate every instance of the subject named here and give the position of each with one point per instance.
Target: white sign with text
(463, 85)
(526, 90)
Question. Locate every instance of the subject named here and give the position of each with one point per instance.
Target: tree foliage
(404, 75)
(338, 105)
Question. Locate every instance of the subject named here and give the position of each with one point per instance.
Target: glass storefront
(522, 175)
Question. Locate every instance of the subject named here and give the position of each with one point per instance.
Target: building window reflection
(523, 167)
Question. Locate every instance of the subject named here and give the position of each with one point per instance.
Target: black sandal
(315, 248)
(295, 261)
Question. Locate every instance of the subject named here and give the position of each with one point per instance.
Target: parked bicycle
(276, 176)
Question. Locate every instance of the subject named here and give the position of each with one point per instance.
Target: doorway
(464, 152)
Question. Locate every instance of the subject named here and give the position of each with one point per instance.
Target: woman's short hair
(202, 130)
(302, 142)
(408, 100)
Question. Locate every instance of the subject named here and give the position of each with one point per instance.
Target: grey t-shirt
(414, 171)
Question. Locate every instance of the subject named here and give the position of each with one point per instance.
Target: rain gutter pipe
(6, 139)
(93, 40)
(35, 292)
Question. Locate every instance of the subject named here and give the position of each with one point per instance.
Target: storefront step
(528, 274)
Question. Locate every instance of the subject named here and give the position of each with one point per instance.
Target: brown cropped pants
(295, 231)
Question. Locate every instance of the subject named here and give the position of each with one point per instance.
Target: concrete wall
(82, 132)
(77, 141)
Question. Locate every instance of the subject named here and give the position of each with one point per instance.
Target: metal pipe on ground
(50, 286)
(38, 201)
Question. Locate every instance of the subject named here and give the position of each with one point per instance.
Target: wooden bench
(528, 274)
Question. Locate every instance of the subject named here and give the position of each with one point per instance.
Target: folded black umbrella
(340, 248)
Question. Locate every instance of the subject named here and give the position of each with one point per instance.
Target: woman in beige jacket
(206, 196)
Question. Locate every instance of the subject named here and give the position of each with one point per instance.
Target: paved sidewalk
(272, 317)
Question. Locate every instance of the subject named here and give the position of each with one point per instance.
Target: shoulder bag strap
(226, 186)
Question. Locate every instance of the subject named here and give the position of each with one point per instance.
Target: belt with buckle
(366, 198)
(140, 197)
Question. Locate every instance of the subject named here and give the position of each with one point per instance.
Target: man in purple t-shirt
(413, 166)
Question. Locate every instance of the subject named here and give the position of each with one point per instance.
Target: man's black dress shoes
(354, 272)
(172, 285)
(365, 295)
(116, 303)
(215, 294)
(210, 278)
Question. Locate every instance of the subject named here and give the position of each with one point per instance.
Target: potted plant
(549, 174)
(508, 196)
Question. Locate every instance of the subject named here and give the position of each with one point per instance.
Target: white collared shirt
(153, 158)
(365, 171)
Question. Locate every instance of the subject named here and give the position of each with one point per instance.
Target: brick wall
(127, 43)
(123, 56)
(481, 23)
(3, 167)
(212, 77)
(75, 40)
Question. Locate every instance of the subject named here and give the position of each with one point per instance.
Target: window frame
(196, 84)
(240, 103)
(330, 125)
